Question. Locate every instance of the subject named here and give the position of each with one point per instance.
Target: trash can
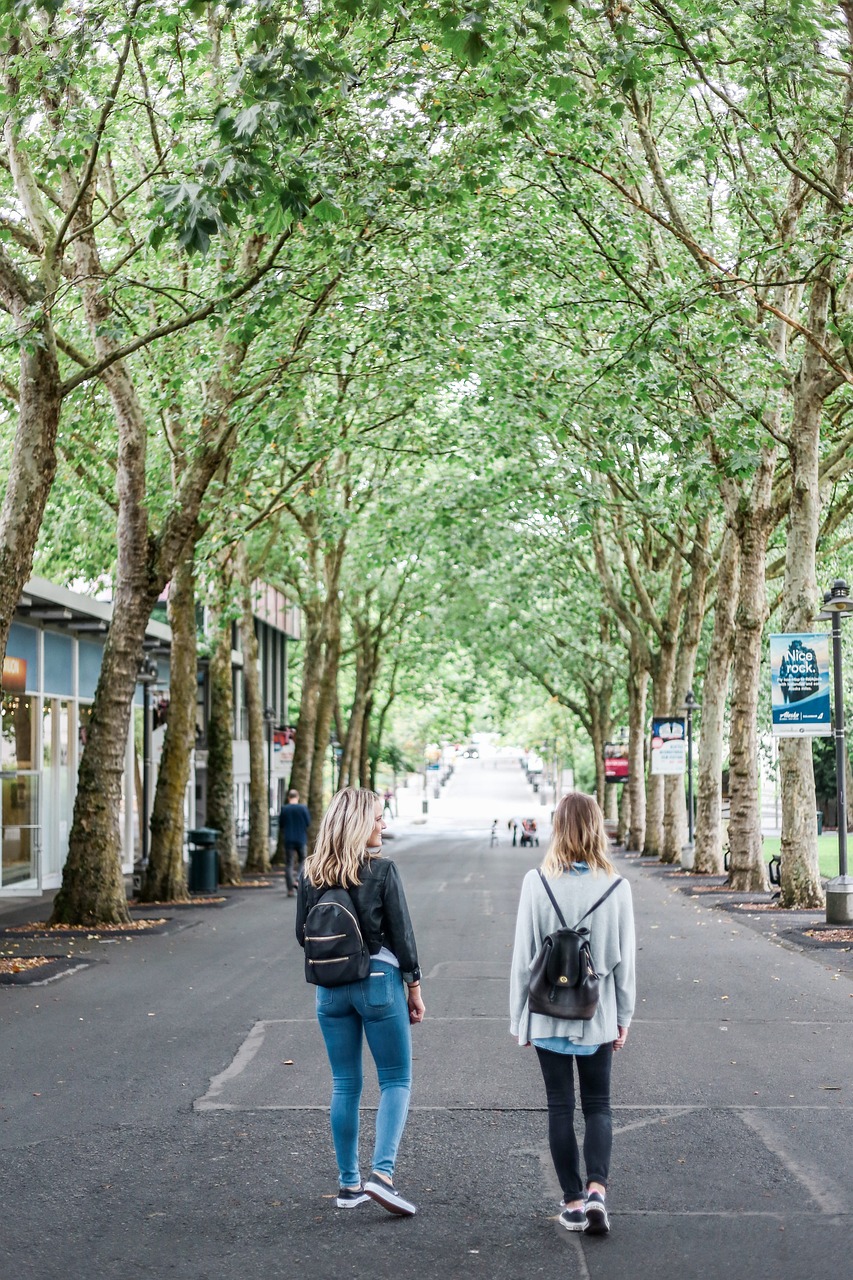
(819, 821)
(204, 875)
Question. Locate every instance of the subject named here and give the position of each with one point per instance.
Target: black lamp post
(146, 676)
(269, 721)
(839, 893)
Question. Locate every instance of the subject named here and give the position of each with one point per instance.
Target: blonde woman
(382, 1006)
(578, 872)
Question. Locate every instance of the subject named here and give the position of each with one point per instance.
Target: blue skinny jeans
(377, 1006)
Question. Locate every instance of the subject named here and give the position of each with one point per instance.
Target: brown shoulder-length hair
(341, 849)
(577, 835)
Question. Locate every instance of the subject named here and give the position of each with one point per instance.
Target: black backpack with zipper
(563, 981)
(335, 952)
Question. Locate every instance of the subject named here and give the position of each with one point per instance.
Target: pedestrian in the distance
(293, 823)
(578, 871)
(382, 1007)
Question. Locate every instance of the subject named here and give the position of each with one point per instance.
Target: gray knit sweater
(611, 931)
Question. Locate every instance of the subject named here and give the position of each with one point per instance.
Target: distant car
(470, 753)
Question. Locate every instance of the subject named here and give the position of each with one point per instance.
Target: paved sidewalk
(163, 1112)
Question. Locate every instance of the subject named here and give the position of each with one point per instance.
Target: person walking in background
(382, 1007)
(578, 871)
(293, 823)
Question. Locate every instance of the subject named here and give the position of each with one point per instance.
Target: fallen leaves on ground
(830, 935)
(135, 926)
(21, 964)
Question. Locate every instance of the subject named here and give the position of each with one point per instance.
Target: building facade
(49, 678)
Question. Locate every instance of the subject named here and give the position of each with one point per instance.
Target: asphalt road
(162, 1112)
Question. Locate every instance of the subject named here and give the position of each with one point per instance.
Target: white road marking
(822, 1191)
(244, 1055)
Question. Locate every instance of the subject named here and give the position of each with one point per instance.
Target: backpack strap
(615, 885)
(560, 915)
(594, 906)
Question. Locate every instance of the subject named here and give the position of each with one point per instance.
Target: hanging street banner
(669, 739)
(799, 685)
(615, 762)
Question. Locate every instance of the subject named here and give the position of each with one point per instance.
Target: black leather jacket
(382, 913)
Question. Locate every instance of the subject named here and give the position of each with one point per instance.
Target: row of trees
(516, 336)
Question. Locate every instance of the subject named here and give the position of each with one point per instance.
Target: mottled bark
(220, 762)
(638, 681)
(258, 855)
(32, 464)
(624, 825)
(662, 705)
(165, 880)
(708, 855)
(328, 689)
(800, 871)
(312, 666)
(675, 824)
(747, 870)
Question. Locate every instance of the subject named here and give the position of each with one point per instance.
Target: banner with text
(799, 685)
(668, 743)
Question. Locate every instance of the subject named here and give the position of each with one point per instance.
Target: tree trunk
(32, 465)
(624, 816)
(165, 880)
(662, 705)
(220, 751)
(708, 855)
(675, 821)
(364, 770)
(326, 698)
(747, 871)
(258, 855)
(800, 870)
(638, 682)
(312, 660)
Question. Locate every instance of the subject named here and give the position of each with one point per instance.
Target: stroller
(529, 835)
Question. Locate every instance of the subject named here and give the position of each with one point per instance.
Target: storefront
(51, 669)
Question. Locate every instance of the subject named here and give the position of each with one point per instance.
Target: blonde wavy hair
(577, 835)
(341, 847)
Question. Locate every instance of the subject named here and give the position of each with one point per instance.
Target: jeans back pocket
(378, 988)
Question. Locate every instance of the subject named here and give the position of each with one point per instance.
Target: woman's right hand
(619, 1042)
(416, 1004)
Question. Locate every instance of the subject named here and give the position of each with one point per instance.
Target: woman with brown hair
(381, 1007)
(578, 872)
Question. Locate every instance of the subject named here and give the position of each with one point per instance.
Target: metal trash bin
(819, 813)
(204, 869)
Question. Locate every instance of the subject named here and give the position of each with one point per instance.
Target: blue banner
(799, 680)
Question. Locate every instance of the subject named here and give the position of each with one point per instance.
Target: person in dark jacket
(293, 823)
(382, 1007)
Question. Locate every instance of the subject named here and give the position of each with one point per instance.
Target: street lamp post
(839, 892)
(690, 704)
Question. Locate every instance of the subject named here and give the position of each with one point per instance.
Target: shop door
(20, 836)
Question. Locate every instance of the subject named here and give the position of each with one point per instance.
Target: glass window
(18, 731)
(58, 663)
(20, 828)
(89, 663)
(23, 643)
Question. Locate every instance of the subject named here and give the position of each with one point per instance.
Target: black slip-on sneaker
(349, 1197)
(573, 1220)
(386, 1195)
(598, 1223)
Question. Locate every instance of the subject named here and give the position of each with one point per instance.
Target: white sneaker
(349, 1197)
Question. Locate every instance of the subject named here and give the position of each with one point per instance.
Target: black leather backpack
(335, 951)
(563, 981)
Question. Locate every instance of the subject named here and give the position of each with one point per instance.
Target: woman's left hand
(416, 1005)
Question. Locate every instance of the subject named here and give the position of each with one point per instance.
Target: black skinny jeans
(594, 1077)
